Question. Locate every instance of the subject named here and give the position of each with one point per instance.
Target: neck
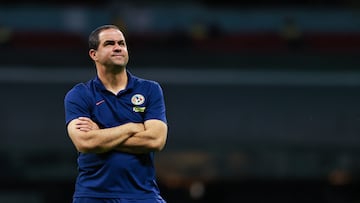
(114, 81)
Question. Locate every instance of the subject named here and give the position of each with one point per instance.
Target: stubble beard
(116, 68)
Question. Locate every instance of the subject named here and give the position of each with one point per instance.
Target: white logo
(137, 99)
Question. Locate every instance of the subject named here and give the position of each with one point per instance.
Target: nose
(117, 48)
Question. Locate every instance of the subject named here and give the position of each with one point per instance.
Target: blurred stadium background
(262, 96)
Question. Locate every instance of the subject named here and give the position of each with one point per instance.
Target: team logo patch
(137, 99)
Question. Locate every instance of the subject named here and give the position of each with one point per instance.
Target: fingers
(83, 127)
(86, 124)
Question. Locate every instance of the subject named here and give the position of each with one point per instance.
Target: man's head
(107, 47)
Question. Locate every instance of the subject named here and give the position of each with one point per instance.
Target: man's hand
(85, 124)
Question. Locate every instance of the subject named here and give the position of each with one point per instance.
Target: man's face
(112, 50)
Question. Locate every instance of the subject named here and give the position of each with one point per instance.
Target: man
(117, 122)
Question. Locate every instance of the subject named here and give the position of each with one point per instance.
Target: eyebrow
(113, 41)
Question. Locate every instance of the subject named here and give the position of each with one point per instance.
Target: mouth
(115, 55)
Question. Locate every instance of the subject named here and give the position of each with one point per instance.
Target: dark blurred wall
(262, 97)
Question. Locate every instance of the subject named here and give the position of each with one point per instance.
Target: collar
(129, 86)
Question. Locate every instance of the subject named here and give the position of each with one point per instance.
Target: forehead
(111, 34)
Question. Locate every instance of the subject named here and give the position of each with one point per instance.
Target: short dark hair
(94, 35)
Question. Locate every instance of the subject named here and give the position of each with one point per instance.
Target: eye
(106, 43)
(122, 43)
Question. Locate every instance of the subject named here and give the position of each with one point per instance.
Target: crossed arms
(130, 137)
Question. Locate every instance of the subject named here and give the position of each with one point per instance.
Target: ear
(92, 54)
